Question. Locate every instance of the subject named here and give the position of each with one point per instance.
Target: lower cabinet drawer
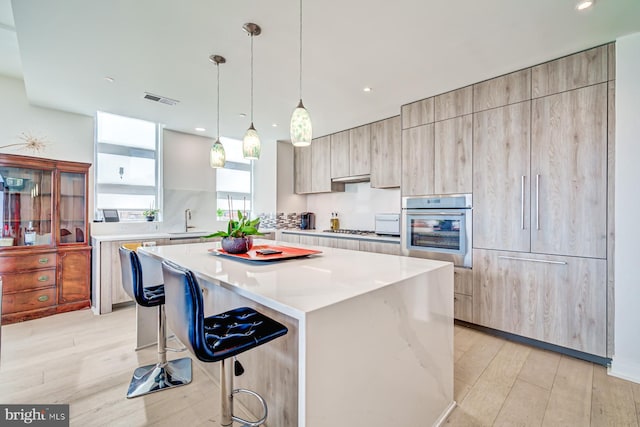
(25, 301)
(12, 264)
(29, 280)
(463, 307)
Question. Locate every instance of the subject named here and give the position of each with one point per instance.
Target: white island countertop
(302, 285)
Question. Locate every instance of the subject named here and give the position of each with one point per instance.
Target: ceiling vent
(161, 99)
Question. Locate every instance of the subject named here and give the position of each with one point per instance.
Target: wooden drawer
(29, 280)
(15, 264)
(463, 307)
(463, 281)
(25, 301)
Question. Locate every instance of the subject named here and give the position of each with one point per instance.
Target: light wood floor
(87, 361)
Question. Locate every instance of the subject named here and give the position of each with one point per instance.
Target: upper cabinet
(418, 113)
(386, 153)
(312, 168)
(505, 90)
(417, 160)
(452, 159)
(351, 152)
(571, 72)
(44, 251)
(453, 104)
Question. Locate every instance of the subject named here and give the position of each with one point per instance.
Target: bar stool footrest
(264, 407)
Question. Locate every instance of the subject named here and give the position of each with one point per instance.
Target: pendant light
(217, 155)
(251, 140)
(301, 131)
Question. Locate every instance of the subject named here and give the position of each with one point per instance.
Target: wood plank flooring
(87, 361)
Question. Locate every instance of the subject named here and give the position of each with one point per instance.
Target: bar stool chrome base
(226, 384)
(152, 378)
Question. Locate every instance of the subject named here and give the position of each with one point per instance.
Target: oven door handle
(426, 212)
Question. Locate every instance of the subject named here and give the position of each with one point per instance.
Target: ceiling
(405, 50)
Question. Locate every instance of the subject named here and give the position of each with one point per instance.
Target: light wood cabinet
(45, 255)
(312, 168)
(339, 243)
(452, 104)
(340, 154)
(302, 170)
(571, 72)
(504, 90)
(463, 294)
(289, 238)
(351, 152)
(463, 307)
(389, 248)
(309, 240)
(418, 161)
(501, 175)
(569, 173)
(386, 153)
(463, 281)
(418, 113)
(559, 300)
(452, 155)
(360, 150)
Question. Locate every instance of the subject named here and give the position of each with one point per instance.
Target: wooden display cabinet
(45, 257)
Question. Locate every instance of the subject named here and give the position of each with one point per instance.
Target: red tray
(287, 253)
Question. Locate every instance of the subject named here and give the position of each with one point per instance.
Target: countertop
(297, 287)
(373, 237)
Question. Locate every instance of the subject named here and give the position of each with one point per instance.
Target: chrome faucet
(187, 217)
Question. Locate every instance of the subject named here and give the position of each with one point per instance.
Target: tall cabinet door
(321, 165)
(452, 164)
(385, 153)
(501, 148)
(302, 170)
(569, 173)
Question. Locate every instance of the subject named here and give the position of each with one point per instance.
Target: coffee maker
(307, 221)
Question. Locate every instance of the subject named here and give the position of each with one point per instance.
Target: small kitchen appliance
(388, 224)
(307, 221)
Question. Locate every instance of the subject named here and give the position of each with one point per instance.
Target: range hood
(352, 179)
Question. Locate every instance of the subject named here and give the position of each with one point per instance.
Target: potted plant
(238, 238)
(151, 214)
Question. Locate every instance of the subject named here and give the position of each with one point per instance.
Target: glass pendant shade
(301, 131)
(217, 156)
(251, 144)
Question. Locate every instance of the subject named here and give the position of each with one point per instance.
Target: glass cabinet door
(72, 207)
(25, 206)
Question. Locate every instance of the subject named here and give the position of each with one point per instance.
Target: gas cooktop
(348, 231)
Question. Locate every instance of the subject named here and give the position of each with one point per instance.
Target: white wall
(626, 360)
(69, 136)
(356, 207)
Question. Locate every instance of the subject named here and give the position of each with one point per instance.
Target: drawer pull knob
(43, 260)
(43, 278)
(43, 298)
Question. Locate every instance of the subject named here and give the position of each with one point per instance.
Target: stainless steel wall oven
(438, 227)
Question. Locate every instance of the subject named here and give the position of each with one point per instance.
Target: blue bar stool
(216, 338)
(163, 375)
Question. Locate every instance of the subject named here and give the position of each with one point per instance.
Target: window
(127, 165)
(234, 180)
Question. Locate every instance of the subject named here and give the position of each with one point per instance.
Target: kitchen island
(370, 337)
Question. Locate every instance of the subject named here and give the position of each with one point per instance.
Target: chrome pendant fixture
(300, 128)
(217, 155)
(251, 140)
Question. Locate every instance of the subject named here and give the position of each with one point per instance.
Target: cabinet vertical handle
(538, 202)
(43, 260)
(522, 203)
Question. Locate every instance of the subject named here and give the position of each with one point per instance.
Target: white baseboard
(626, 369)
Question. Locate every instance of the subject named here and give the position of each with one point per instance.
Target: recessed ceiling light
(584, 4)
(200, 129)
(242, 115)
(367, 89)
(110, 79)
(275, 125)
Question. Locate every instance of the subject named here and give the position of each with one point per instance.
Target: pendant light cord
(252, 79)
(218, 115)
(301, 50)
